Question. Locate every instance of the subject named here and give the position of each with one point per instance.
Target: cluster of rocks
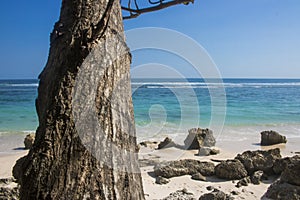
(183, 194)
(259, 160)
(288, 185)
(203, 141)
(197, 139)
(252, 164)
(8, 189)
(250, 167)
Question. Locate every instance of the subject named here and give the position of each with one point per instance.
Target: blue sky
(249, 38)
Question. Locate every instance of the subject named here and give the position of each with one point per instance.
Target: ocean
(236, 109)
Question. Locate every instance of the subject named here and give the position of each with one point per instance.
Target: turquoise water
(17, 105)
(251, 105)
(167, 106)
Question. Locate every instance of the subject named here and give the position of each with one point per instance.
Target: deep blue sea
(172, 106)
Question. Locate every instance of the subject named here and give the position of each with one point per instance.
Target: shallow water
(169, 107)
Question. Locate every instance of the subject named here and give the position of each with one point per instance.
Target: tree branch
(131, 16)
(161, 5)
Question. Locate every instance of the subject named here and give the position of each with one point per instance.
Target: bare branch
(160, 5)
(131, 16)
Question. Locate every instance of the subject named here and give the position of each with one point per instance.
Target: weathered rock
(259, 160)
(215, 195)
(167, 143)
(6, 181)
(281, 190)
(288, 186)
(184, 167)
(204, 151)
(161, 180)
(198, 137)
(180, 195)
(210, 188)
(29, 140)
(235, 192)
(214, 151)
(230, 170)
(148, 144)
(271, 137)
(281, 164)
(257, 177)
(199, 177)
(17, 169)
(243, 182)
(291, 174)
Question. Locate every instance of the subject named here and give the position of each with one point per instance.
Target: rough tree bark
(60, 166)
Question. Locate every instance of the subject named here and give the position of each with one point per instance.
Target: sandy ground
(155, 191)
(7, 161)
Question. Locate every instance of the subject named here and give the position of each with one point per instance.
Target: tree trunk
(85, 145)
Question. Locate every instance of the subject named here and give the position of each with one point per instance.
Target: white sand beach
(7, 161)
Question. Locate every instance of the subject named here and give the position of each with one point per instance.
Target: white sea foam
(179, 87)
(24, 85)
(28, 131)
(6, 133)
(19, 84)
(211, 85)
(3, 133)
(229, 133)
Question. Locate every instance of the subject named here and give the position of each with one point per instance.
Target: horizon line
(8, 79)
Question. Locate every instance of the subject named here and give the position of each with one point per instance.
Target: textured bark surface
(59, 166)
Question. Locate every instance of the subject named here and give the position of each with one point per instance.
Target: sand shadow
(152, 174)
(256, 144)
(209, 179)
(177, 146)
(19, 149)
(271, 179)
(214, 179)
